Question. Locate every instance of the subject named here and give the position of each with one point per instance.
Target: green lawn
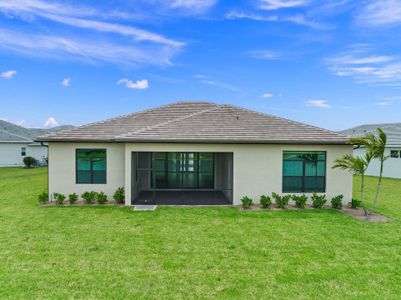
(177, 253)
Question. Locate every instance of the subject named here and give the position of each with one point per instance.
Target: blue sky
(333, 64)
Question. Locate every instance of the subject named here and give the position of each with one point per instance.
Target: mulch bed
(356, 213)
(80, 203)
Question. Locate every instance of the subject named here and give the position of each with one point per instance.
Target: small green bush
(89, 197)
(29, 161)
(72, 198)
(101, 198)
(300, 200)
(59, 198)
(246, 202)
(318, 201)
(119, 195)
(43, 198)
(336, 202)
(355, 203)
(281, 201)
(265, 201)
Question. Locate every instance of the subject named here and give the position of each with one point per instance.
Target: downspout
(47, 146)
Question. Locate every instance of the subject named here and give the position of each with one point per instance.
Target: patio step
(145, 207)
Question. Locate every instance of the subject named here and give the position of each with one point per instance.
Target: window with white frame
(395, 153)
(23, 151)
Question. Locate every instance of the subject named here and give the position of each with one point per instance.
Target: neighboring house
(17, 142)
(392, 166)
(197, 153)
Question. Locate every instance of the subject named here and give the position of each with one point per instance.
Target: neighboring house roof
(200, 122)
(10, 132)
(6, 136)
(392, 130)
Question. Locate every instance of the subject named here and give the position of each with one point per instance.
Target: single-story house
(197, 153)
(392, 166)
(14, 148)
(17, 142)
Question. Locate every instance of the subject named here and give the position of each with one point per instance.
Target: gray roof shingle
(392, 130)
(200, 122)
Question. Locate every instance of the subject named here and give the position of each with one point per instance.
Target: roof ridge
(169, 121)
(281, 118)
(20, 136)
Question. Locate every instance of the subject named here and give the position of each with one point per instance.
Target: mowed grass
(184, 253)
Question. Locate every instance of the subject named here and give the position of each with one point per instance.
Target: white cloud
(384, 103)
(252, 16)
(367, 68)
(137, 85)
(278, 4)
(66, 81)
(317, 103)
(134, 46)
(267, 95)
(296, 19)
(4, 119)
(50, 123)
(264, 54)
(380, 12)
(206, 80)
(8, 74)
(21, 123)
(194, 6)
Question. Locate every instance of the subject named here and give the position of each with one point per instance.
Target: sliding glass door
(183, 170)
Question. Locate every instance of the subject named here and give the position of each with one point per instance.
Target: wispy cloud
(266, 95)
(296, 19)
(265, 54)
(317, 103)
(8, 74)
(206, 80)
(193, 6)
(365, 67)
(50, 122)
(137, 85)
(278, 4)
(66, 82)
(384, 103)
(139, 46)
(380, 12)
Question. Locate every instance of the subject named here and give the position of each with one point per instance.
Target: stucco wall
(257, 168)
(62, 168)
(391, 168)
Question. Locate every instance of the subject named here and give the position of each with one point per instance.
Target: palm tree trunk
(363, 195)
(379, 184)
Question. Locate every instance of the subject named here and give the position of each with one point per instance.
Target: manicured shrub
(281, 201)
(265, 201)
(119, 195)
(43, 198)
(101, 198)
(355, 203)
(59, 198)
(246, 202)
(300, 200)
(318, 201)
(72, 198)
(89, 197)
(29, 161)
(336, 202)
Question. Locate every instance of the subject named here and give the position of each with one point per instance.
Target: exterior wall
(391, 167)
(62, 178)
(257, 168)
(10, 153)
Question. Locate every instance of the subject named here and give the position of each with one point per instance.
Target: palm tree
(357, 165)
(376, 146)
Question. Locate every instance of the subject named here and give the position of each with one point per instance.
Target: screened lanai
(182, 178)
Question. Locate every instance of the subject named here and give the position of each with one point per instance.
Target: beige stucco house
(197, 153)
